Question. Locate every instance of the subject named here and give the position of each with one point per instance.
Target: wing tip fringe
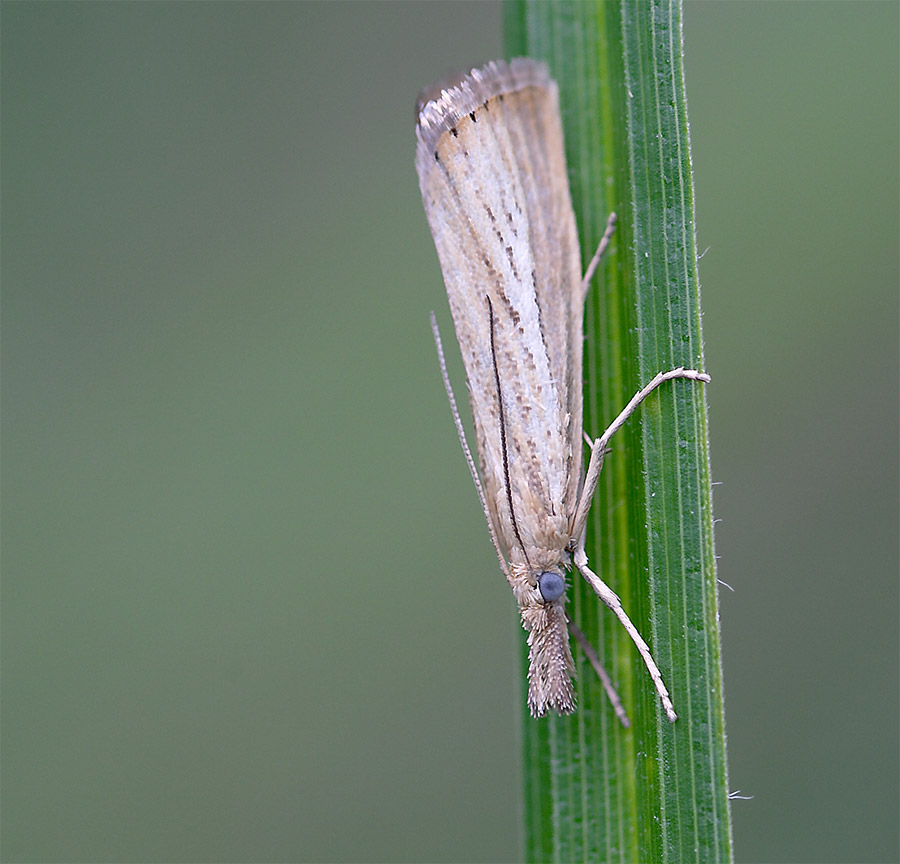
(440, 107)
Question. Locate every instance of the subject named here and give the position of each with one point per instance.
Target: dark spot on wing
(512, 261)
(527, 358)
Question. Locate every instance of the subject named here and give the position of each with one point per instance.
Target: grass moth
(492, 173)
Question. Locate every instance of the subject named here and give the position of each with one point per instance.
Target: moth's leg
(609, 597)
(601, 248)
(466, 451)
(598, 446)
(592, 475)
(594, 660)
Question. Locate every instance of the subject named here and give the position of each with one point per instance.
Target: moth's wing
(538, 143)
(492, 173)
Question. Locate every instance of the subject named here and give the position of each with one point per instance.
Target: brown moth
(492, 173)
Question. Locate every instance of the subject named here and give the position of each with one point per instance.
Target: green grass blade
(593, 790)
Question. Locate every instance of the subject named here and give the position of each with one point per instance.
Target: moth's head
(551, 585)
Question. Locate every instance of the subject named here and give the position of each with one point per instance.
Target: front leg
(611, 599)
(592, 475)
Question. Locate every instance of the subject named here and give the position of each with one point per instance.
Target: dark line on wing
(513, 170)
(525, 169)
(466, 218)
(534, 162)
(509, 499)
(487, 257)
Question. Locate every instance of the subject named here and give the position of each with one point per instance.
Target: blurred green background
(250, 610)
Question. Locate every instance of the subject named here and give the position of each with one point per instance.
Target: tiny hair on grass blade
(492, 173)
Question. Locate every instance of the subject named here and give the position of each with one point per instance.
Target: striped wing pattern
(492, 172)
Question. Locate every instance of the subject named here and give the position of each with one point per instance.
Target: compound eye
(551, 585)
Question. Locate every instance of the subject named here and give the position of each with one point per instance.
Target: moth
(492, 173)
